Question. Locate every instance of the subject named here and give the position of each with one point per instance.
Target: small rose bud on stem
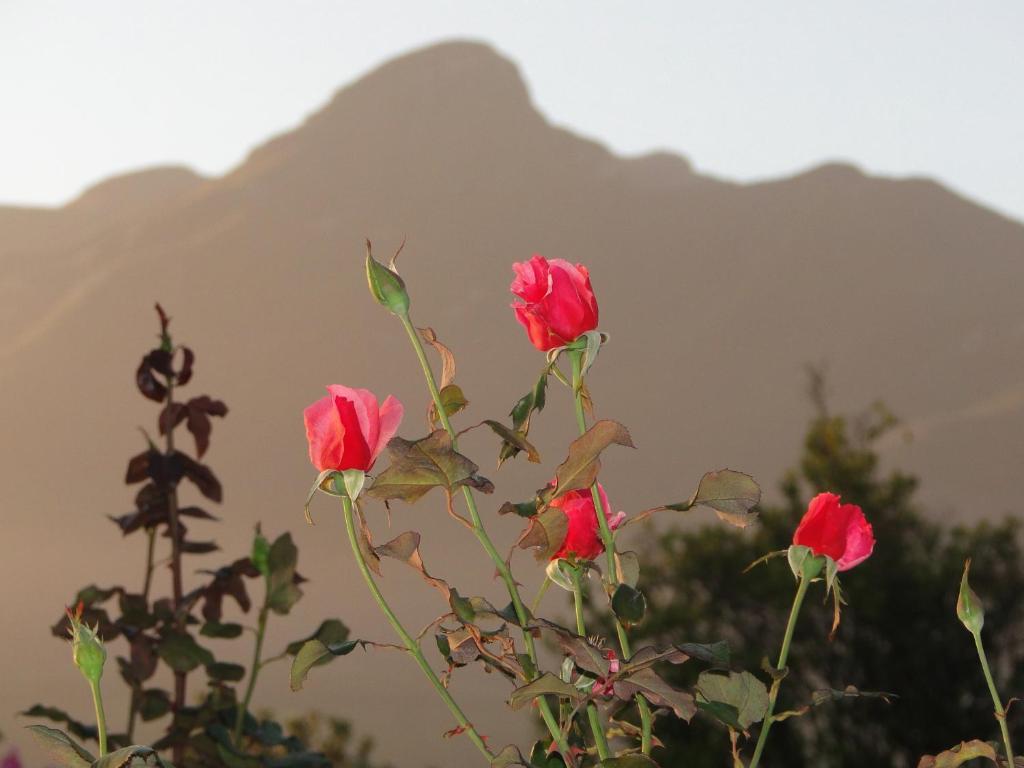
(89, 656)
(971, 613)
(386, 286)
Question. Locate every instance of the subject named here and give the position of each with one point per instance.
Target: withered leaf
(405, 547)
(580, 468)
(546, 532)
(417, 466)
(447, 357)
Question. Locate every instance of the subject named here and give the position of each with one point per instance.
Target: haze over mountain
(715, 294)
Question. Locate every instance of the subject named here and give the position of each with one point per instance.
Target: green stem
(101, 718)
(600, 740)
(485, 540)
(257, 665)
(608, 540)
(798, 600)
(540, 595)
(1000, 711)
(411, 645)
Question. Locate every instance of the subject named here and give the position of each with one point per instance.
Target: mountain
(716, 295)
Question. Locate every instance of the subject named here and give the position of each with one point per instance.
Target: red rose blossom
(348, 430)
(582, 537)
(557, 303)
(839, 531)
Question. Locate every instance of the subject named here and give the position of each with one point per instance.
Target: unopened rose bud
(969, 609)
(86, 647)
(386, 286)
(261, 553)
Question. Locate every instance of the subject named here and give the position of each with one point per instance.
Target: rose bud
(969, 608)
(348, 430)
(386, 286)
(582, 536)
(557, 303)
(838, 531)
(86, 647)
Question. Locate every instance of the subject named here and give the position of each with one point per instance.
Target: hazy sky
(746, 90)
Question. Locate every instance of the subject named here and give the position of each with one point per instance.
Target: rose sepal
(325, 483)
(804, 563)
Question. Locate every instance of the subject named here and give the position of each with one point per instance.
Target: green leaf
(420, 465)
(587, 656)
(652, 687)
(629, 761)
(627, 567)
(225, 671)
(546, 532)
(154, 703)
(468, 609)
(224, 631)
(716, 654)
(78, 730)
(509, 755)
(61, 748)
(452, 400)
(825, 695)
(522, 413)
(282, 592)
(747, 695)
(648, 656)
(182, 654)
(315, 653)
(958, 755)
(523, 508)
(580, 468)
(135, 756)
(516, 439)
(731, 494)
(543, 685)
(330, 632)
(629, 604)
(541, 758)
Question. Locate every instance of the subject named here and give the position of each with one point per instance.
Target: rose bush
(600, 703)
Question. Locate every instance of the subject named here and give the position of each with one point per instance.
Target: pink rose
(839, 531)
(348, 430)
(557, 303)
(583, 537)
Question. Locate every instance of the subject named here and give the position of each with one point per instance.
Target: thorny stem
(133, 709)
(600, 740)
(411, 645)
(172, 513)
(1000, 711)
(485, 540)
(608, 540)
(101, 718)
(798, 600)
(257, 665)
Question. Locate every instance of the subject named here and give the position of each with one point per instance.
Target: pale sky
(746, 90)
